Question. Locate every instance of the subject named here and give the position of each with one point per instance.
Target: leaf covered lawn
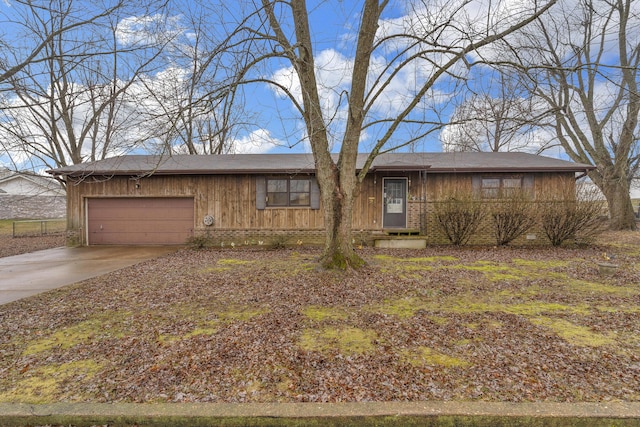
(246, 325)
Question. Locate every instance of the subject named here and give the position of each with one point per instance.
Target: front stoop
(401, 239)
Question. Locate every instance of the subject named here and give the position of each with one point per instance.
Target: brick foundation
(271, 238)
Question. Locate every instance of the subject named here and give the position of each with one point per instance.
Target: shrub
(459, 217)
(279, 241)
(573, 218)
(512, 217)
(200, 242)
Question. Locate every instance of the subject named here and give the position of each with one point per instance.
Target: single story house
(25, 195)
(247, 199)
(27, 184)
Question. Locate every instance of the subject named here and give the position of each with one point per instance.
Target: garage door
(139, 221)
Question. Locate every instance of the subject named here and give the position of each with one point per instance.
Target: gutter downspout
(585, 173)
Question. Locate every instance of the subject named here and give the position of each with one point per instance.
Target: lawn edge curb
(384, 413)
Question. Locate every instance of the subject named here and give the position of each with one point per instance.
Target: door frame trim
(406, 201)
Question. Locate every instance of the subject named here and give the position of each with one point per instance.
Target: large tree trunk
(615, 186)
(620, 206)
(338, 248)
(338, 189)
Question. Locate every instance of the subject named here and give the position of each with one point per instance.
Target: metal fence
(38, 227)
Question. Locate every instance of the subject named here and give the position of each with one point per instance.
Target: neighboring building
(26, 184)
(24, 195)
(249, 198)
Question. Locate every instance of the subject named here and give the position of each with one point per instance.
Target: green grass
(28, 227)
(6, 226)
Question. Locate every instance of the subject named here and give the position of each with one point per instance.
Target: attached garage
(139, 221)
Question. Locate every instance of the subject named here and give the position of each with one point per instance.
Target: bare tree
(497, 117)
(428, 44)
(69, 106)
(13, 61)
(192, 106)
(582, 61)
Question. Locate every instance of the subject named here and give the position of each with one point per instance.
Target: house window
(288, 192)
(495, 187)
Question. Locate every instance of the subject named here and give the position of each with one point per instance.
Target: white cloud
(333, 72)
(148, 29)
(257, 142)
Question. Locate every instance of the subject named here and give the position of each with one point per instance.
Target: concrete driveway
(30, 274)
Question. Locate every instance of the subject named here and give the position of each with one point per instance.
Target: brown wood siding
(139, 221)
(231, 199)
(546, 186)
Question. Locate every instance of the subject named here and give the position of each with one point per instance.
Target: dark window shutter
(527, 185)
(315, 193)
(476, 185)
(261, 192)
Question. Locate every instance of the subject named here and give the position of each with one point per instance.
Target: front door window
(395, 203)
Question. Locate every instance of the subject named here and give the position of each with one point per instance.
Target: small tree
(459, 216)
(512, 217)
(573, 217)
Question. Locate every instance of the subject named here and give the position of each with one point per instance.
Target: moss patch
(403, 307)
(540, 265)
(493, 271)
(210, 327)
(225, 264)
(431, 259)
(320, 314)
(421, 356)
(574, 334)
(597, 288)
(231, 261)
(241, 314)
(415, 264)
(461, 304)
(539, 307)
(290, 266)
(619, 309)
(439, 320)
(45, 384)
(347, 340)
(82, 333)
(516, 270)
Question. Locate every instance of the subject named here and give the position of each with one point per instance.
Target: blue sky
(275, 125)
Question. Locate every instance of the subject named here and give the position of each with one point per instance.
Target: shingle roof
(303, 163)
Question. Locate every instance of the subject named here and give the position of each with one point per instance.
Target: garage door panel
(141, 215)
(133, 227)
(144, 221)
(139, 238)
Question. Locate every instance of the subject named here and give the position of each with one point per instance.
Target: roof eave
(398, 168)
(510, 169)
(137, 172)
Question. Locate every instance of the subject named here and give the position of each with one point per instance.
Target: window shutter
(476, 185)
(315, 194)
(261, 192)
(527, 185)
